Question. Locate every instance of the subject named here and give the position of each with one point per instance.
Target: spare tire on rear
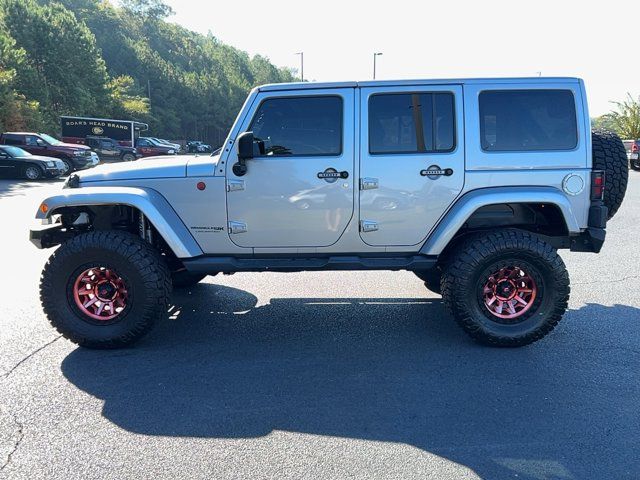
(610, 155)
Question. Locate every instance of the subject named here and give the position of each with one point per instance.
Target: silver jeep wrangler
(471, 184)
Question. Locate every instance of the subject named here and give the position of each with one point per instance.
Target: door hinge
(235, 185)
(237, 227)
(368, 183)
(368, 226)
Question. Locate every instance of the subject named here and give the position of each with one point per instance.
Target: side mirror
(247, 149)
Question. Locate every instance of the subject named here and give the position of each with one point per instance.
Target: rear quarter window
(12, 139)
(527, 120)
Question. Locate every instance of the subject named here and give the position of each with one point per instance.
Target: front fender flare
(467, 204)
(154, 206)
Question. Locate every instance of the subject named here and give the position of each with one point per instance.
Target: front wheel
(67, 167)
(33, 173)
(105, 289)
(506, 289)
(128, 157)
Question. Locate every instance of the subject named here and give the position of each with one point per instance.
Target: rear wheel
(33, 172)
(635, 164)
(105, 289)
(507, 288)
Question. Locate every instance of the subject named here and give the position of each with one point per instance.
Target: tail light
(597, 185)
(634, 148)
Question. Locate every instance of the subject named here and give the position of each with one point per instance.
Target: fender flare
(153, 205)
(468, 203)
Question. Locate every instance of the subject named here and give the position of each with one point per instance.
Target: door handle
(331, 174)
(436, 171)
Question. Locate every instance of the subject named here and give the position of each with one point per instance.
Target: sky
(599, 42)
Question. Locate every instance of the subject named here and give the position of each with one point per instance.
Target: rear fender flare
(467, 204)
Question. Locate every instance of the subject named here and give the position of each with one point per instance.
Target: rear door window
(527, 120)
(13, 140)
(411, 123)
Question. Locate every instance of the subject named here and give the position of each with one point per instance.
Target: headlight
(78, 153)
(50, 164)
(171, 151)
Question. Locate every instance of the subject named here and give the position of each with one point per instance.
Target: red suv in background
(148, 147)
(74, 157)
(633, 153)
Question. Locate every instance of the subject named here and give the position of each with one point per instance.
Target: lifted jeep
(472, 184)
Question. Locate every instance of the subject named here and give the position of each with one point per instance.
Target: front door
(300, 193)
(411, 160)
(8, 166)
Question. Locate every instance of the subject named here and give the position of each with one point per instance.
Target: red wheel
(100, 293)
(509, 292)
(105, 289)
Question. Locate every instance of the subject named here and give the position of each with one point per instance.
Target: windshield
(16, 152)
(49, 139)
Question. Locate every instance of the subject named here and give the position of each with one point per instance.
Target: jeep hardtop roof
(391, 83)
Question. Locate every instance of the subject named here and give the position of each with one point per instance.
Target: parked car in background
(162, 141)
(109, 149)
(74, 157)
(196, 146)
(18, 163)
(633, 153)
(150, 148)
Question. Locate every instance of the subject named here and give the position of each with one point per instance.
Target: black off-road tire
(185, 279)
(142, 269)
(431, 279)
(610, 155)
(464, 279)
(635, 164)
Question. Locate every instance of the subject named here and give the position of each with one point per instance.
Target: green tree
(626, 118)
(62, 68)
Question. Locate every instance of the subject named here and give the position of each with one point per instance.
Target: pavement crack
(614, 280)
(36, 351)
(16, 443)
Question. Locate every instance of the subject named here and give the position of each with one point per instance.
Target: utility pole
(149, 90)
(301, 65)
(374, 63)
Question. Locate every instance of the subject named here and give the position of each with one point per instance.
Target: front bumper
(47, 236)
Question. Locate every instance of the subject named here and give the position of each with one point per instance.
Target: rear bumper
(592, 239)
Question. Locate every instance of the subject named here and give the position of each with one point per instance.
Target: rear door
(411, 160)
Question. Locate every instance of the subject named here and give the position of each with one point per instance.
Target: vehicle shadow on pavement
(385, 369)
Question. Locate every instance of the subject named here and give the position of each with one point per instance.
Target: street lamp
(301, 65)
(375, 54)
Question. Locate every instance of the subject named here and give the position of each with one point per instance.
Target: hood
(70, 146)
(151, 167)
(41, 158)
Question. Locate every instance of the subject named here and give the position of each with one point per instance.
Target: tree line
(92, 58)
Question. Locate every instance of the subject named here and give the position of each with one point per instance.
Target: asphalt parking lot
(322, 375)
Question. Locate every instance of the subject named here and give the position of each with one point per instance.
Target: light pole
(375, 54)
(301, 65)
